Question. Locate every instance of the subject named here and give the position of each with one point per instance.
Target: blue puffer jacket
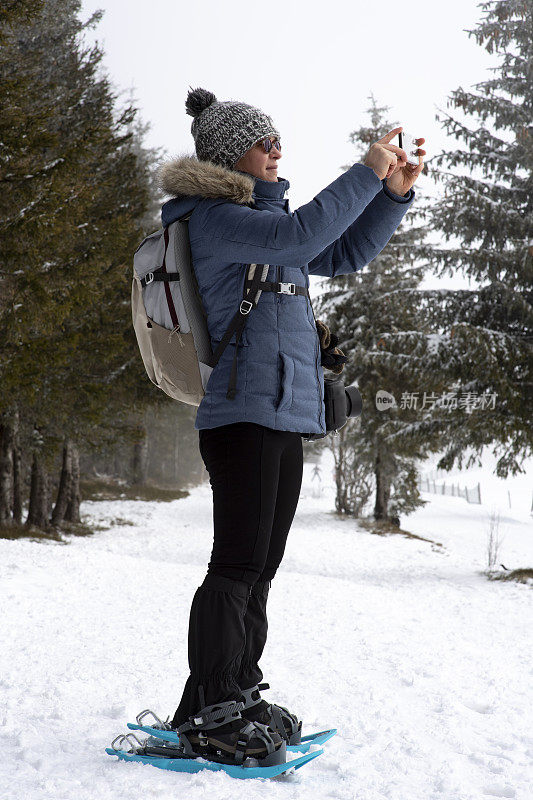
(238, 219)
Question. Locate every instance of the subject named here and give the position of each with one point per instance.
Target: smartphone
(408, 143)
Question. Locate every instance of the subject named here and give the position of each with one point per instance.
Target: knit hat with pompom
(224, 131)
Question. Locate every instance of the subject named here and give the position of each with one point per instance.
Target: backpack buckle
(149, 277)
(286, 288)
(250, 306)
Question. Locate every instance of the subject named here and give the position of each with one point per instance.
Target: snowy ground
(422, 664)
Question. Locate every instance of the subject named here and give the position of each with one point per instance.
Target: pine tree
(363, 310)
(485, 347)
(15, 11)
(69, 361)
(24, 173)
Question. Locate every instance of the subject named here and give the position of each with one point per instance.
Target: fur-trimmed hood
(187, 179)
(187, 175)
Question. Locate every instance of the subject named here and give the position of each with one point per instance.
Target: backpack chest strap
(280, 288)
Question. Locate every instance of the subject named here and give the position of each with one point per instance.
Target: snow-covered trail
(422, 664)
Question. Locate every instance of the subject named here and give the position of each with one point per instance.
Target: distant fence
(427, 484)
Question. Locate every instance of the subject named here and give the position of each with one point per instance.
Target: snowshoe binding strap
(254, 730)
(281, 720)
(285, 723)
(252, 696)
(213, 716)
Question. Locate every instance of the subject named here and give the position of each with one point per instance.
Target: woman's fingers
(390, 135)
(398, 150)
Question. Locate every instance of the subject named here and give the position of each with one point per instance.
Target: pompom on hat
(224, 131)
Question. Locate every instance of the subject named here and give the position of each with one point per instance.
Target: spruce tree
(69, 361)
(14, 11)
(24, 173)
(484, 349)
(362, 309)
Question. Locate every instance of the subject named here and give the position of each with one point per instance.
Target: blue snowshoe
(217, 738)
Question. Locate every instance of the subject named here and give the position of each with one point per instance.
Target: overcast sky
(311, 66)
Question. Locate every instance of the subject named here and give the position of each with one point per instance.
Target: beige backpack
(169, 318)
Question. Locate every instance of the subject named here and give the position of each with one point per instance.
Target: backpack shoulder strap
(168, 293)
(237, 326)
(166, 276)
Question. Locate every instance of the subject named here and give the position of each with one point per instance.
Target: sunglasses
(267, 145)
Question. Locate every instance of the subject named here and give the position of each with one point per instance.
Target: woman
(250, 423)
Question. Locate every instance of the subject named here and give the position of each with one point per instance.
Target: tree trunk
(17, 472)
(138, 462)
(72, 513)
(337, 446)
(17, 491)
(7, 437)
(116, 469)
(381, 507)
(38, 507)
(64, 489)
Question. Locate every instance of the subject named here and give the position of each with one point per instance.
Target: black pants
(255, 473)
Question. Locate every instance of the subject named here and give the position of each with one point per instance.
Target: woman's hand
(390, 162)
(403, 175)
